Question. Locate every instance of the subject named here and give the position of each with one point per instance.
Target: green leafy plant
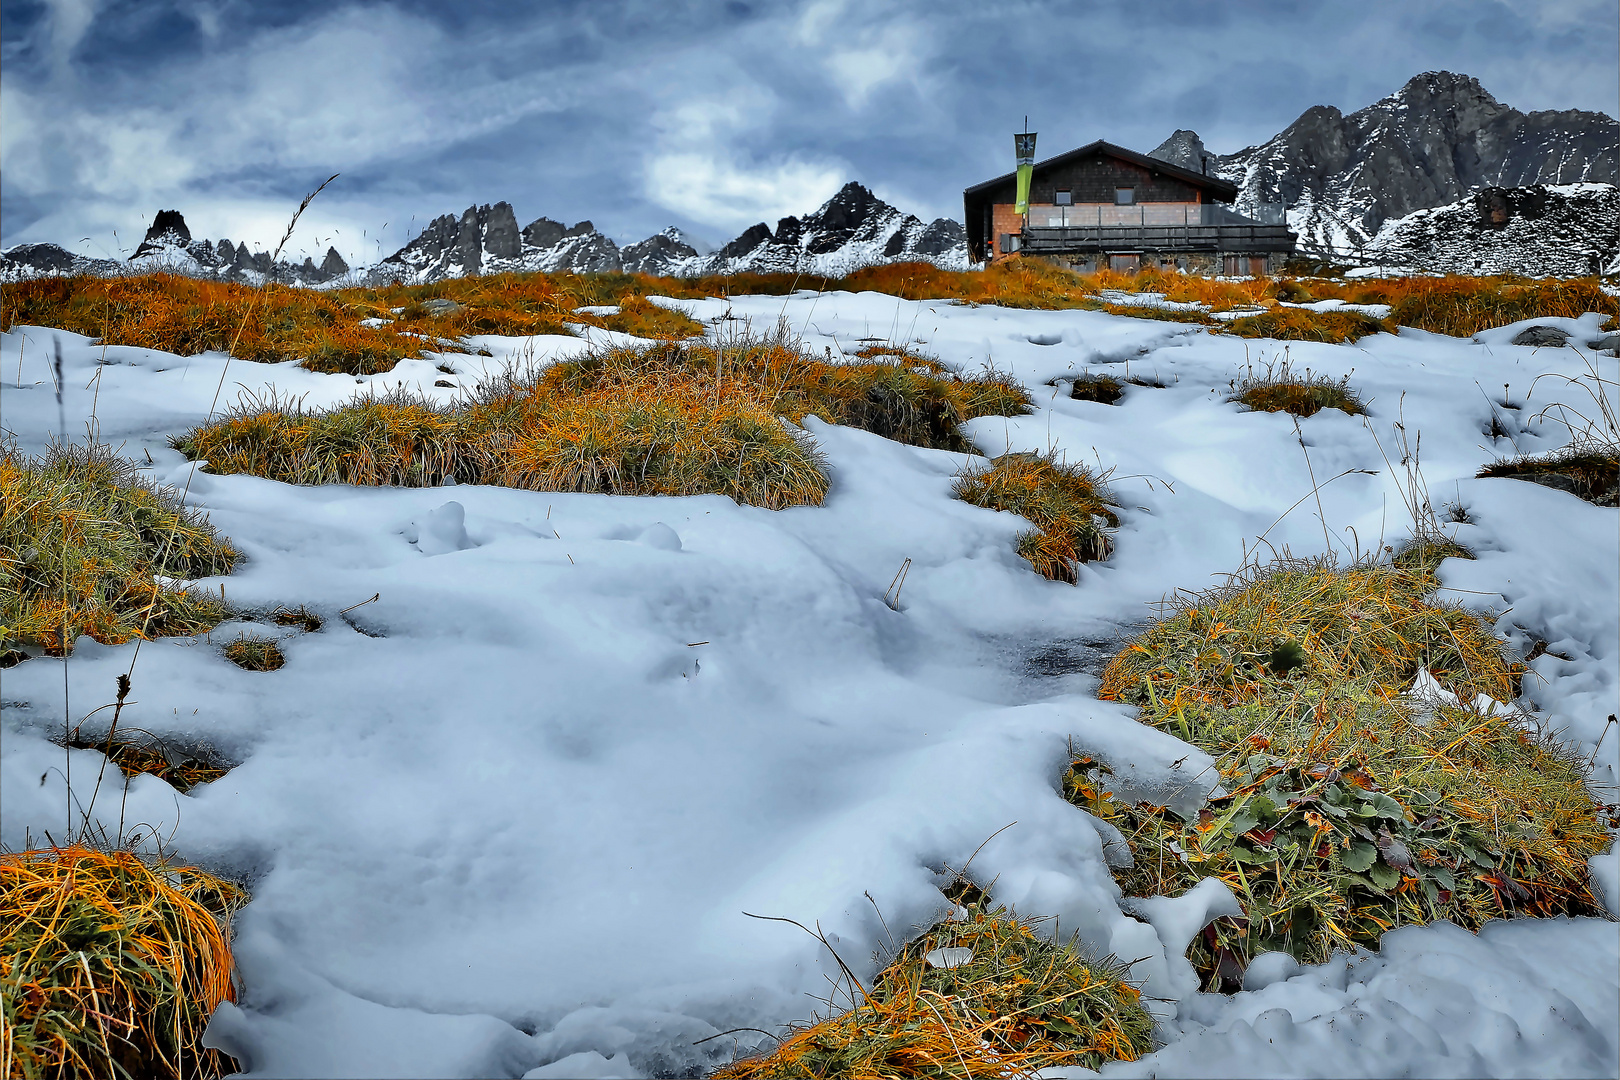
(1347, 808)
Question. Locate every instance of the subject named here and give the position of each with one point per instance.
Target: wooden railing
(1254, 238)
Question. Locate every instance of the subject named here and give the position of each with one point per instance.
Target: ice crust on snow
(508, 816)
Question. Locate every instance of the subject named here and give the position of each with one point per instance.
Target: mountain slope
(1557, 229)
(1438, 138)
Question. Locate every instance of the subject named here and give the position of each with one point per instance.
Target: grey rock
(661, 254)
(500, 232)
(852, 229)
(439, 306)
(1561, 481)
(333, 265)
(1607, 343)
(41, 257)
(1539, 230)
(1542, 336)
(542, 233)
(1186, 149)
(941, 236)
(751, 239)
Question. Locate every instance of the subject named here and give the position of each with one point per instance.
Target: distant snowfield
(509, 816)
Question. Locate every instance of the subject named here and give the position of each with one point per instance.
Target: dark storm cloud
(710, 115)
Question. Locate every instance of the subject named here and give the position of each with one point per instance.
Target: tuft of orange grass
(1070, 507)
(1301, 324)
(1362, 622)
(253, 652)
(179, 768)
(111, 964)
(1019, 1003)
(1460, 305)
(1281, 389)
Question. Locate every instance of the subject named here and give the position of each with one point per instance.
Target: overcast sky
(709, 115)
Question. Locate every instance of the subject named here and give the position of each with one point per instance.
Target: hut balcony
(1164, 227)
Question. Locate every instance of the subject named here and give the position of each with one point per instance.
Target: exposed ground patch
(1070, 507)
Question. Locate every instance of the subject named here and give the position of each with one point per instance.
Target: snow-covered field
(509, 816)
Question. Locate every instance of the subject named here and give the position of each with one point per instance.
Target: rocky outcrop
(168, 230)
(487, 240)
(1564, 230)
(1429, 144)
(1186, 149)
(662, 254)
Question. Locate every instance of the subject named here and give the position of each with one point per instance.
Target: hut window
(1064, 198)
(1124, 196)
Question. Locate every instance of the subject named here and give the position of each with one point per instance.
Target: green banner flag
(1025, 144)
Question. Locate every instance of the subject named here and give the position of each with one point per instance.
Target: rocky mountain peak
(1430, 143)
(1186, 149)
(168, 230)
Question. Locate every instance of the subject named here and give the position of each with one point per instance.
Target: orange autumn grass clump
(1015, 1003)
(667, 419)
(186, 315)
(1070, 507)
(322, 329)
(111, 964)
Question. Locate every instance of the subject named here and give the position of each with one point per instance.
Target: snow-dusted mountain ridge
(1433, 142)
(854, 228)
(168, 245)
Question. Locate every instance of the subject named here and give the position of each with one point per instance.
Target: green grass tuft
(1280, 389)
(253, 652)
(1586, 469)
(83, 538)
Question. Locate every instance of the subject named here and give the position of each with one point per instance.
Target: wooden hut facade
(1103, 205)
